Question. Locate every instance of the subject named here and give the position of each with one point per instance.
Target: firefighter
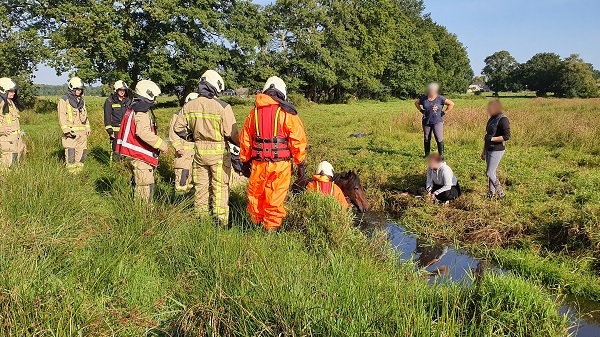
(185, 150)
(138, 140)
(75, 125)
(323, 183)
(115, 107)
(212, 125)
(272, 138)
(13, 147)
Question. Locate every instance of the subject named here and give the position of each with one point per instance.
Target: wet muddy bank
(442, 262)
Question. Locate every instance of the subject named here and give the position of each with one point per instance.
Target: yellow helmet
(192, 96)
(76, 83)
(147, 89)
(325, 169)
(6, 85)
(276, 83)
(214, 79)
(120, 85)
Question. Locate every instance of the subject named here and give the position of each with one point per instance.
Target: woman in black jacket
(497, 133)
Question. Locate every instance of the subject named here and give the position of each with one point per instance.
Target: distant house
(229, 92)
(478, 87)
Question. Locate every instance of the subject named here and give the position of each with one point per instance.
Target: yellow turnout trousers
(13, 149)
(143, 180)
(211, 177)
(75, 151)
(183, 168)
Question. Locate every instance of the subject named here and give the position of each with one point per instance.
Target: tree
(541, 73)
(576, 79)
(21, 50)
(499, 71)
(170, 41)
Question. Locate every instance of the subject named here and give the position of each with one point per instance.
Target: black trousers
(451, 194)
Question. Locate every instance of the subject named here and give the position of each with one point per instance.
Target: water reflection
(440, 262)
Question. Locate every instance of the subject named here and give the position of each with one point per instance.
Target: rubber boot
(441, 148)
(427, 145)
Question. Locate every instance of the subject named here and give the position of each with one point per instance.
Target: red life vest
(325, 188)
(269, 142)
(130, 145)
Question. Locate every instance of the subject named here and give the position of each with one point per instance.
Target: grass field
(79, 257)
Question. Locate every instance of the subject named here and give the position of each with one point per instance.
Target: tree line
(544, 73)
(327, 50)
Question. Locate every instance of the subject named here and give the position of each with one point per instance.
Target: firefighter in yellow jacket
(13, 147)
(183, 144)
(146, 93)
(212, 124)
(75, 125)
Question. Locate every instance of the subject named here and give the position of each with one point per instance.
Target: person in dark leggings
(442, 185)
(431, 106)
(497, 133)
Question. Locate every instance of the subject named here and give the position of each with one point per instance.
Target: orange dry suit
(271, 139)
(323, 184)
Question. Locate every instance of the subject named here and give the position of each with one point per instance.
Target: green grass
(79, 257)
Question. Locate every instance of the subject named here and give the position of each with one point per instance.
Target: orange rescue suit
(270, 177)
(324, 185)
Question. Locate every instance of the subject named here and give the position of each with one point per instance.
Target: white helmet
(76, 83)
(276, 83)
(120, 85)
(192, 96)
(214, 79)
(325, 169)
(6, 85)
(147, 89)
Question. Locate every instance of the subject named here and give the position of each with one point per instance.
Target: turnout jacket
(10, 120)
(211, 123)
(72, 119)
(114, 111)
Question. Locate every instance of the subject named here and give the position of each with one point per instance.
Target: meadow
(78, 256)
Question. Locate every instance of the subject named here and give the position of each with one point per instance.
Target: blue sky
(523, 27)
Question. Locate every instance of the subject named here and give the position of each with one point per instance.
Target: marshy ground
(79, 257)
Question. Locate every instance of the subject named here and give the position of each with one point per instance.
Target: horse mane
(350, 178)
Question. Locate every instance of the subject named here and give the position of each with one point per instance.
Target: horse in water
(350, 185)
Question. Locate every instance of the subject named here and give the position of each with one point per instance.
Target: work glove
(110, 132)
(301, 171)
(236, 163)
(247, 169)
(70, 135)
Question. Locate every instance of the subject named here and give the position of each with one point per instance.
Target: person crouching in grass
(442, 185)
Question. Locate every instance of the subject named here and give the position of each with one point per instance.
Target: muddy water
(440, 262)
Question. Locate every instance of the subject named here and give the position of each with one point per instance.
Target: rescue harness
(269, 142)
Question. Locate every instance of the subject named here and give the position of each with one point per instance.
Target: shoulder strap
(223, 103)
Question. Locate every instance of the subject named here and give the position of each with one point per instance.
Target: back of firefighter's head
(214, 79)
(121, 88)
(148, 90)
(192, 96)
(325, 169)
(277, 84)
(76, 86)
(8, 87)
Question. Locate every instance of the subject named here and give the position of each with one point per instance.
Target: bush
(298, 100)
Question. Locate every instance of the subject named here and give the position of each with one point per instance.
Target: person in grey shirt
(442, 185)
(497, 134)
